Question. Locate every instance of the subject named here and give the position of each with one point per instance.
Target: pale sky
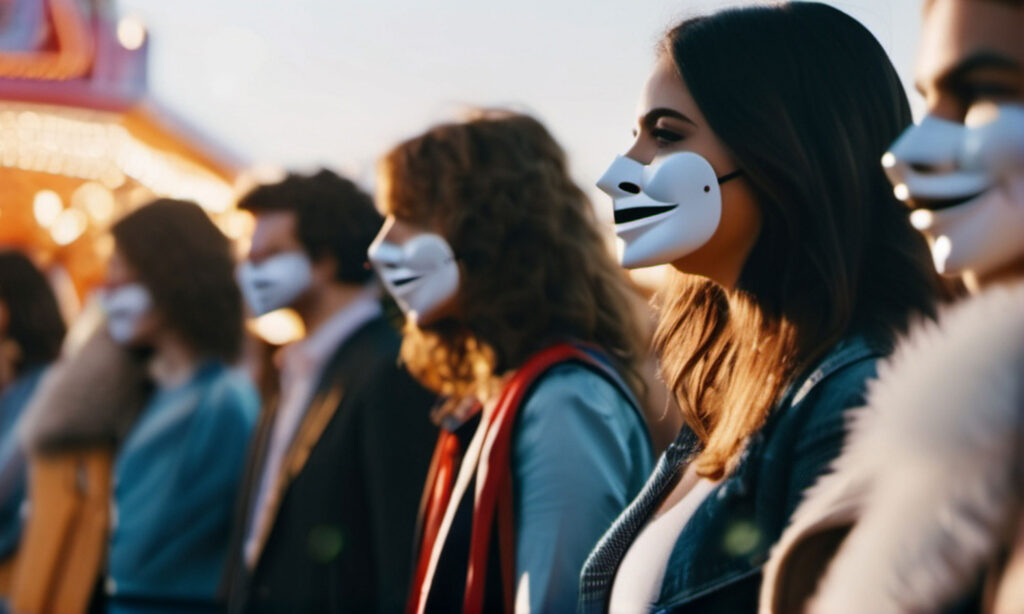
(337, 82)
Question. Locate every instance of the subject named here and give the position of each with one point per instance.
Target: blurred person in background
(83, 410)
(31, 333)
(325, 520)
(137, 439)
(755, 176)
(518, 316)
(925, 507)
(171, 296)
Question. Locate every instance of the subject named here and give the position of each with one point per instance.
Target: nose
(622, 179)
(928, 147)
(644, 149)
(256, 254)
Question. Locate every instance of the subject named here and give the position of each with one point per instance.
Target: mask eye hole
(707, 188)
(632, 188)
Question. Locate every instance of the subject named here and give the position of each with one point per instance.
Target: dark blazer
(344, 508)
(715, 565)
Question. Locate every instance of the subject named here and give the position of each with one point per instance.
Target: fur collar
(90, 397)
(929, 468)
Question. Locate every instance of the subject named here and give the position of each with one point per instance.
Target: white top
(303, 362)
(638, 580)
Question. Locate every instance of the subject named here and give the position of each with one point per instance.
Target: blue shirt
(175, 481)
(12, 458)
(580, 454)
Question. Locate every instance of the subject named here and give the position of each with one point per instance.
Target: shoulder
(576, 421)
(572, 401)
(970, 347)
(229, 394)
(223, 420)
(956, 379)
(825, 409)
(576, 385)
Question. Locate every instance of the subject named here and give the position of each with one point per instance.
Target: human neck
(173, 362)
(323, 302)
(725, 270)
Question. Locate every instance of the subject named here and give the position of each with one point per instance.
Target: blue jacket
(12, 458)
(175, 481)
(715, 565)
(580, 453)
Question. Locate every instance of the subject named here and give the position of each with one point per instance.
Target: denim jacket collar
(676, 591)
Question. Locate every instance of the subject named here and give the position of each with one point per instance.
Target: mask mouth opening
(938, 204)
(403, 281)
(624, 216)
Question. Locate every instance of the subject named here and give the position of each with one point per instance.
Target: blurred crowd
(821, 411)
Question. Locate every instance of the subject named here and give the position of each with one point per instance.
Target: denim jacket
(715, 565)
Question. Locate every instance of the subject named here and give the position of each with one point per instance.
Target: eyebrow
(977, 61)
(651, 117)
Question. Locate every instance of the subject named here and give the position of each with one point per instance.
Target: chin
(435, 317)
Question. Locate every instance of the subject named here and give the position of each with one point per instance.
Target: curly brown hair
(535, 268)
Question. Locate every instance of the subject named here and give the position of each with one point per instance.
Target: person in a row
(31, 333)
(518, 315)
(925, 506)
(756, 177)
(327, 509)
(137, 440)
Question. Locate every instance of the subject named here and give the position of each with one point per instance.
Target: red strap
(493, 480)
(507, 544)
(439, 485)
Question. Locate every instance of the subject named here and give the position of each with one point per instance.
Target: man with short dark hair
(327, 513)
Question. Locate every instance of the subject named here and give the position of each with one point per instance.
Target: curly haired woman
(518, 314)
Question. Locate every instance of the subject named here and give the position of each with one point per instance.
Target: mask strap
(729, 176)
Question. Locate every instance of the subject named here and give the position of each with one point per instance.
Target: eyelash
(666, 136)
(971, 94)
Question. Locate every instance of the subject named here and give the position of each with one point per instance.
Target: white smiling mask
(664, 210)
(971, 178)
(420, 274)
(125, 307)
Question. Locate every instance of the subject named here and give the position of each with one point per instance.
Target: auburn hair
(806, 117)
(534, 266)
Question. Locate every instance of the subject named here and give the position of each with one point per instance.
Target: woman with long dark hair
(517, 313)
(171, 297)
(755, 174)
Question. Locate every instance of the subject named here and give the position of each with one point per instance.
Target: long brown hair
(186, 263)
(806, 105)
(534, 266)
